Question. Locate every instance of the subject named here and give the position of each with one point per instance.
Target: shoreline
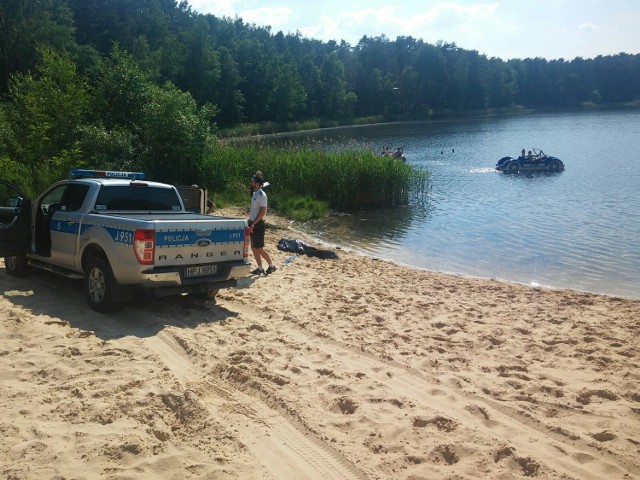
(441, 118)
(280, 220)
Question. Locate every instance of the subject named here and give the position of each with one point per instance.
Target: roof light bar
(77, 172)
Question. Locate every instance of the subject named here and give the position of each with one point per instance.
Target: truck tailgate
(196, 241)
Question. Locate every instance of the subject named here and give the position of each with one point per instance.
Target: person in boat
(522, 154)
(398, 153)
(530, 156)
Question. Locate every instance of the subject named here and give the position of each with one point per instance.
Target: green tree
(200, 72)
(26, 25)
(48, 108)
(503, 85)
(229, 98)
(177, 137)
(290, 97)
(333, 86)
(123, 91)
(253, 59)
(312, 85)
(430, 65)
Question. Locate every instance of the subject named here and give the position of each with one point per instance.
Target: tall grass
(346, 180)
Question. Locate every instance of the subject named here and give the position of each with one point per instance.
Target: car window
(9, 196)
(53, 196)
(135, 197)
(73, 197)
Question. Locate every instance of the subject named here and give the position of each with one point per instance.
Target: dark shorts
(257, 236)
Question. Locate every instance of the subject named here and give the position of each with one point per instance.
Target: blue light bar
(106, 174)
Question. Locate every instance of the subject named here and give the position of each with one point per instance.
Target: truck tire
(99, 285)
(16, 265)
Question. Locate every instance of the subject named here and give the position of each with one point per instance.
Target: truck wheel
(98, 285)
(16, 265)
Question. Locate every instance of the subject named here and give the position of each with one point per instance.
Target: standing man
(256, 223)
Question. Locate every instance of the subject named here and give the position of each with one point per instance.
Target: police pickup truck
(120, 233)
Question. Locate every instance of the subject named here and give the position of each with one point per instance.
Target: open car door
(194, 198)
(15, 221)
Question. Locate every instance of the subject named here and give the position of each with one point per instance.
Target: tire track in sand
(275, 442)
(492, 419)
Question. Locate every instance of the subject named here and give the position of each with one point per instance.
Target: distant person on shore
(257, 213)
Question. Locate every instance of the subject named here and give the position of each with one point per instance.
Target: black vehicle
(539, 162)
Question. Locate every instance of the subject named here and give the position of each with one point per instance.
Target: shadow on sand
(58, 299)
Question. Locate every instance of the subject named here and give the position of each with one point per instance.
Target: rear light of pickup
(144, 245)
(247, 240)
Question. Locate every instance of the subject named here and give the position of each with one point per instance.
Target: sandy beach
(349, 368)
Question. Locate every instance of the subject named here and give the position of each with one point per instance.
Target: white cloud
(219, 8)
(351, 26)
(444, 20)
(452, 15)
(277, 17)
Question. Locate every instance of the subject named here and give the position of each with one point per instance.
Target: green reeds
(345, 180)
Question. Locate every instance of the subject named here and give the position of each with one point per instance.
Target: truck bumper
(174, 278)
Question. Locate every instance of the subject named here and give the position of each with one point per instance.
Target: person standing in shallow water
(257, 212)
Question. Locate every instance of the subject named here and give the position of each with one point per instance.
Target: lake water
(577, 229)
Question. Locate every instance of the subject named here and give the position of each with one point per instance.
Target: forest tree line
(253, 75)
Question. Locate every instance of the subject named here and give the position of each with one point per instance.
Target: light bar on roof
(77, 172)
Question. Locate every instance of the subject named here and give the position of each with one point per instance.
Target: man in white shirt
(256, 223)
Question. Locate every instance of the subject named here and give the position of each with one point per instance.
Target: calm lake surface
(577, 229)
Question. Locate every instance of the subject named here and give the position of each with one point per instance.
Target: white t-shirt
(258, 200)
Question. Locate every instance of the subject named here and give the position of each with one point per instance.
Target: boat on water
(536, 162)
(399, 153)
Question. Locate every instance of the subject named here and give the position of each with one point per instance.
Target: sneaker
(257, 271)
(271, 269)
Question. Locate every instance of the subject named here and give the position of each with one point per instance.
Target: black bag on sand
(298, 246)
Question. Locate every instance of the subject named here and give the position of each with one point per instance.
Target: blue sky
(507, 29)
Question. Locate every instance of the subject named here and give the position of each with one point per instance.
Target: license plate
(200, 271)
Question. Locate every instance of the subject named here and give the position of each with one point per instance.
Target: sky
(506, 29)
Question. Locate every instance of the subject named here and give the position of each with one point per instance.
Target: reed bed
(345, 180)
